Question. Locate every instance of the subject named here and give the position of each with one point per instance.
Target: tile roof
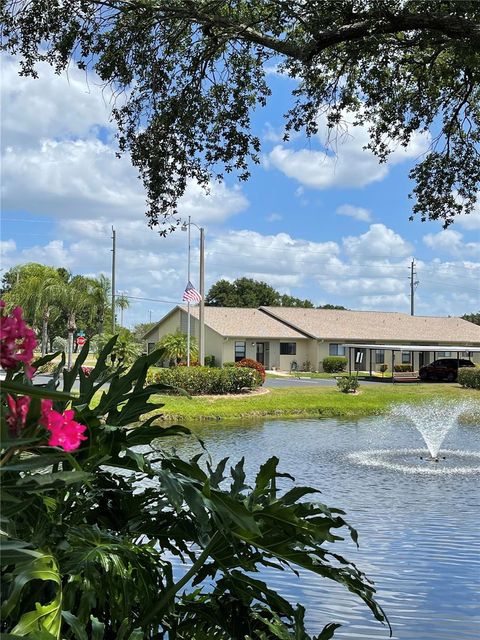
(248, 323)
(333, 324)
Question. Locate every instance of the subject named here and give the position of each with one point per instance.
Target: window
(444, 354)
(379, 356)
(240, 350)
(288, 348)
(336, 350)
(406, 357)
(150, 347)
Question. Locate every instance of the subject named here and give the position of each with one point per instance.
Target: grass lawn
(307, 401)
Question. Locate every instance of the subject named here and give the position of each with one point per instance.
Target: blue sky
(331, 228)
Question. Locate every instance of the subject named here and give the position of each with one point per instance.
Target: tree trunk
(71, 326)
(45, 319)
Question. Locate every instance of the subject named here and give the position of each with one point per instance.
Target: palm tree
(73, 297)
(122, 303)
(35, 293)
(175, 346)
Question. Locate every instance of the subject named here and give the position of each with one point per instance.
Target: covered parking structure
(360, 354)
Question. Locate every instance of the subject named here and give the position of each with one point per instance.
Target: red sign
(81, 341)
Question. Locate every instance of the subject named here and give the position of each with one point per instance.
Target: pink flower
(65, 432)
(18, 413)
(17, 341)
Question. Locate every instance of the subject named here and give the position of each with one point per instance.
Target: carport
(356, 352)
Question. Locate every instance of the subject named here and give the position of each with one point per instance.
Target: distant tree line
(246, 292)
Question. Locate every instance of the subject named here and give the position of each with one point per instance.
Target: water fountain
(433, 422)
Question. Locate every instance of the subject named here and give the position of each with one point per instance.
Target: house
(282, 337)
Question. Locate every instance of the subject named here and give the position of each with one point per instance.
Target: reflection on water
(418, 531)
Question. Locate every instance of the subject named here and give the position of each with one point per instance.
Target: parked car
(443, 369)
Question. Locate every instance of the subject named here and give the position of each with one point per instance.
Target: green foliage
(246, 292)
(469, 377)
(59, 344)
(383, 367)
(334, 364)
(332, 306)
(206, 380)
(87, 536)
(209, 361)
(252, 364)
(229, 364)
(472, 317)
(348, 384)
(193, 72)
(175, 347)
(125, 351)
(402, 367)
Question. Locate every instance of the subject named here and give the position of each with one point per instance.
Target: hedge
(334, 364)
(469, 377)
(198, 381)
(403, 367)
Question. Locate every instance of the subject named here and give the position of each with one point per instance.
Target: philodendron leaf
(34, 392)
(45, 617)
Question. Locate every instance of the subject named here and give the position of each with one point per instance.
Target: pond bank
(306, 402)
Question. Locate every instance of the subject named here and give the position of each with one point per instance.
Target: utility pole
(413, 285)
(201, 310)
(113, 279)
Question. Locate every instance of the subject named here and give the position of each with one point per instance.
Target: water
(434, 420)
(418, 531)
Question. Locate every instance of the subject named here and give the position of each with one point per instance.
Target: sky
(333, 228)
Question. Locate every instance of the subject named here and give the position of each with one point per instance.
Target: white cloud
(378, 242)
(66, 105)
(59, 158)
(470, 222)
(359, 213)
(451, 242)
(274, 217)
(349, 165)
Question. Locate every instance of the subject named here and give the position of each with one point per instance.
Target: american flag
(191, 294)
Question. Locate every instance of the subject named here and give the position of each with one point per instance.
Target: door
(260, 353)
(263, 354)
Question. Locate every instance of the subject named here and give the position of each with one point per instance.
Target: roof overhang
(416, 347)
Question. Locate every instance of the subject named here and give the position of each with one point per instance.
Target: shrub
(209, 361)
(59, 344)
(469, 377)
(47, 368)
(229, 364)
(86, 371)
(348, 384)
(402, 367)
(205, 380)
(383, 368)
(334, 364)
(252, 364)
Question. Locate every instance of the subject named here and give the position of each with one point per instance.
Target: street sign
(81, 340)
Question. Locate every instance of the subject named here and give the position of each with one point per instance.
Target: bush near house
(402, 367)
(252, 364)
(209, 361)
(383, 368)
(198, 381)
(334, 364)
(469, 377)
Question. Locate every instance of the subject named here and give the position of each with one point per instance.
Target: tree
(122, 303)
(191, 74)
(472, 317)
(140, 329)
(332, 306)
(32, 287)
(175, 346)
(246, 292)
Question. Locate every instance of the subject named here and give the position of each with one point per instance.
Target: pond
(418, 530)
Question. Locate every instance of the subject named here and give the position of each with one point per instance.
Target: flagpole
(188, 301)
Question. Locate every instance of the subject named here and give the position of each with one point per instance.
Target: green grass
(373, 399)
